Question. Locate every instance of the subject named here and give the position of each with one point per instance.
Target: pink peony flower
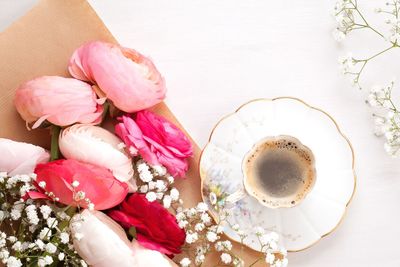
(127, 78)
(61, 101)
(97, 183)
(20, 158)
(157, 140)
(105, 243)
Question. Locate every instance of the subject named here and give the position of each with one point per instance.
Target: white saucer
(323, 208)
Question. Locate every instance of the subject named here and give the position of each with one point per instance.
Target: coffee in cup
(279, 171)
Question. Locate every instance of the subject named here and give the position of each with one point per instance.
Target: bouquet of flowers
(104, 197)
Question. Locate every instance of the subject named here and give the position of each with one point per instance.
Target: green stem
(54, 152)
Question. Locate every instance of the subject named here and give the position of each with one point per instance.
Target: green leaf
(132, 232)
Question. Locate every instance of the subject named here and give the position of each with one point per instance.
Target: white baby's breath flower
(205, 218)
(202, 207)
(185, 262)
(91, 206)
(17, 246)
(45, 233)
(199, 259)
(235, 227)
(50, 248)
(199, 227)
(191, 237)
(75, 184)
(159, 170)
(61, 256)
(212, 236)
(151, 196)
(42, 184)
(269, 258)
(144, 188)
(174, 193)
(226, 258)
(167, 201)
(52, 222)
(45, 261)
(160, 185)
(39, 243)
(64, 237)
(13, 262)
(45, 210)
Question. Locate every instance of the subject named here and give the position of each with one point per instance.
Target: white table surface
(216, 55)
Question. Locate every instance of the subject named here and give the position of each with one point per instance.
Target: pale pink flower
(127, 78)
(103, 243)
(61, 101)
(20, 158)
(157, 140)
(97, 146)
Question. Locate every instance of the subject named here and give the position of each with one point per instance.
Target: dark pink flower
(157, 140)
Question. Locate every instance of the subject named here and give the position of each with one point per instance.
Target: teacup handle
(236, 196)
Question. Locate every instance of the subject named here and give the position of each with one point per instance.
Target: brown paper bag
(41, 43)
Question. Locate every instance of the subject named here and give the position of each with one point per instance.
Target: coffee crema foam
(279, 171)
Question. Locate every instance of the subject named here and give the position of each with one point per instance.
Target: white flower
(17, 246)
(145, 176)
(199, 259)
(75, 184)
(4, 254)
(83, 263)
(174, 193)
(211, 236)
(12, 239)
(96, 146)
(185, 262)
(202, 207)
(170, 179)
(13, 262)
(39, 243)
(61, 256)
(15, 213)
(191, 237)
(270, 258)
(260, 231)
(32, 214)
(44, 261)
(199, 227)
(167, 201)
(144, 188)
(64, 237)
(160, 170)
(205, 218)
(160, 185)
(227, 244)
(151, 196)
(45, 233)
(50, 248)
(226, 258)
(52, 222)
(45, 210)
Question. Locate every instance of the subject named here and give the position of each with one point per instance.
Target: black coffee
(280, 171)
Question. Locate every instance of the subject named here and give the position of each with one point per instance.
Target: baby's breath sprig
(386, 113)
(33, 232)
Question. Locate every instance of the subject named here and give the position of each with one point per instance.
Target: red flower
(98, 184)
(156, 228)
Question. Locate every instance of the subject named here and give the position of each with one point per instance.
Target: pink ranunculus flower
(61, 101)
(157, 140)
(63, 179)
(19, 157)
(104, 243)
(97, 146)
(127, 78)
